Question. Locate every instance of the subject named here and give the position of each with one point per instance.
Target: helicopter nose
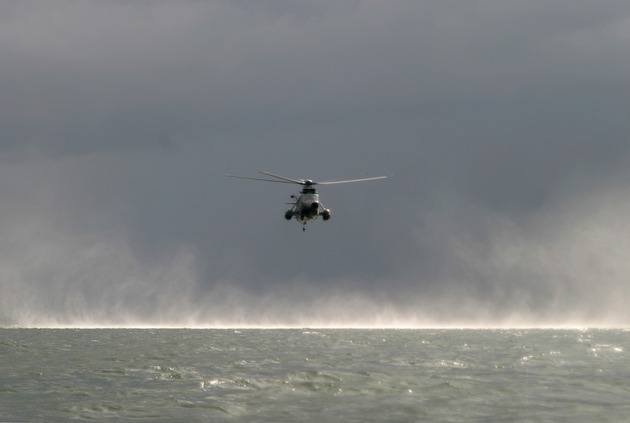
(315, 205)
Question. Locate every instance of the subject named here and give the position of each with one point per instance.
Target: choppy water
(315, 375)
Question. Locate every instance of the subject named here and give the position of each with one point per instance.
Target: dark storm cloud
(505, 126)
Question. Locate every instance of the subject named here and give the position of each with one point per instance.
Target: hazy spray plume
(505, 126)
(566, 266)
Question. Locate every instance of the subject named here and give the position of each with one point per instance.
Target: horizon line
(325, 327)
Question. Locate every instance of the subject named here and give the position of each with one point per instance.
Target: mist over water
(564, 267)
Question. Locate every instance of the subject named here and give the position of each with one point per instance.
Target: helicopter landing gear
(304, 228)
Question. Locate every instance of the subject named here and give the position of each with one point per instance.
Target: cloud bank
(505, 126)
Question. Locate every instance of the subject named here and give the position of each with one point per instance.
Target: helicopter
(306, 206)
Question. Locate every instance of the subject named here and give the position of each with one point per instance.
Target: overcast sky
(505, 125)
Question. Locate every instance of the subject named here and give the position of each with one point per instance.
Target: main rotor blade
(258, 179)
(350, 180)
(284, 178)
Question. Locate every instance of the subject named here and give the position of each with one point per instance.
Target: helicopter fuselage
(307, 207)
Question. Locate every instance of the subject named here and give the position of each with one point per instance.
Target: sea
(315, 375)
